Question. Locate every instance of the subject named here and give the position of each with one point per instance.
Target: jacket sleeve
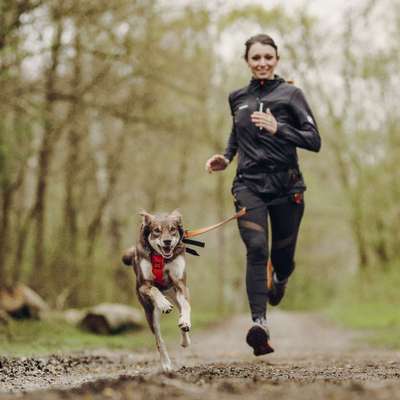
(232, 146)
(304, 133)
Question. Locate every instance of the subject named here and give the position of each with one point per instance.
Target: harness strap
(193, 242)
(191, 251)
(157, 268)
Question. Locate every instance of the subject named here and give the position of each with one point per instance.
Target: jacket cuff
(280, 129)
(229, 157)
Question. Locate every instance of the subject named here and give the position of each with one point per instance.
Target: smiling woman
(271, 118)
(262, 57)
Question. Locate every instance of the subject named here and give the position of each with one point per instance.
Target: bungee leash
(189, 234)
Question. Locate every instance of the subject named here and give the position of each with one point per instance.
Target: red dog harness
(157, 268)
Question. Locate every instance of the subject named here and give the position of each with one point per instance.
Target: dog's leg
(147, 289)
(153, 318)
(158, 299)
(162, 349)
(185, 340)
(181, 297)
(184, 307)
(184, 319)
(178, 277)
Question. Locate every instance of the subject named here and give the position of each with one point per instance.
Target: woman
(271, 118)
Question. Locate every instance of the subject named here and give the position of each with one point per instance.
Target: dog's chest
(159, 270)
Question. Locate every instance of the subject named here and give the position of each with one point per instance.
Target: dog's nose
(167, 242)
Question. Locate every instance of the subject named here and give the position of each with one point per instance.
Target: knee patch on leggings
(254, 238)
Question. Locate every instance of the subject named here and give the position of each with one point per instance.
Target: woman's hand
(265, 120)
(216, 163)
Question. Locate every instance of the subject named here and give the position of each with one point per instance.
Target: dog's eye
(157, 230)
(173, 229)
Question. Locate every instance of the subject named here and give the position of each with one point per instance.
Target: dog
(158, 261)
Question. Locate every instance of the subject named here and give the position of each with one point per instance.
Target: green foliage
(271, 17)
(15, 139)
(370, 302)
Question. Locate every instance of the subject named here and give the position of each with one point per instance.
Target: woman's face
(262, 60)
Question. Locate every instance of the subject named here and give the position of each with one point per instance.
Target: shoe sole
(258, 339)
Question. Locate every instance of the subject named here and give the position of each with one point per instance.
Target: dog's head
(162, 232)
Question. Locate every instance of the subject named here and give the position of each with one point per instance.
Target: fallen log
(4, 318)
(110, 318)
(71, 316)
(20, 302)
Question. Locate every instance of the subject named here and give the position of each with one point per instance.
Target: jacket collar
(257, 85)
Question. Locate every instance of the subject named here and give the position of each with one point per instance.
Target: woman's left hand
(265, 120)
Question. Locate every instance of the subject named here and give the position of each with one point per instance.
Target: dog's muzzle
(167, 251)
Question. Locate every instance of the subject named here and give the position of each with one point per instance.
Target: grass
(371, 303)
(29, 337)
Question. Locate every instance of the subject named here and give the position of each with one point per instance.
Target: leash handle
(196, 232)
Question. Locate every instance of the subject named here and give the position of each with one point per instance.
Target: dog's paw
(184, 324)
(166, 367)
(165, 306)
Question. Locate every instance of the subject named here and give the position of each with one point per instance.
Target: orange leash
(270, 271)
(200, 231)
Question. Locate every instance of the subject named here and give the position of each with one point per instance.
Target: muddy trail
(312, 359)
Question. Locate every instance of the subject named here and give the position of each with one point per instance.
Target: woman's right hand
(216, 163)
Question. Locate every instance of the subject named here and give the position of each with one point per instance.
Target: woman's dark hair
(260, 38)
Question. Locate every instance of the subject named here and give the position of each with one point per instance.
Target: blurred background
(111, 107)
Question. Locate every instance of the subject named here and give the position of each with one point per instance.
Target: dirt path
(312, 359)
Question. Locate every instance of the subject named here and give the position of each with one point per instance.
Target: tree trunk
(72, 163)
(45, 156)
(6, 209)
(4, 232)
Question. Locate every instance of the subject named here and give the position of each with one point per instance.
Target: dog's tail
(127, 257)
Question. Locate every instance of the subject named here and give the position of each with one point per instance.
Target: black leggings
(285, 222)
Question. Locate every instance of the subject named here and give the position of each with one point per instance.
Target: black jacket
(267, 163)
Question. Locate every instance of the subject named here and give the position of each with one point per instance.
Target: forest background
(109, 108)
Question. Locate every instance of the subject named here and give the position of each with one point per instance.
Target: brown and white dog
(158, 260)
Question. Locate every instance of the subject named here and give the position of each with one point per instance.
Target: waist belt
(273, 168)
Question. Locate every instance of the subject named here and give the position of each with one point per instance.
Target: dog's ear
(177, 216)
(147, 218)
